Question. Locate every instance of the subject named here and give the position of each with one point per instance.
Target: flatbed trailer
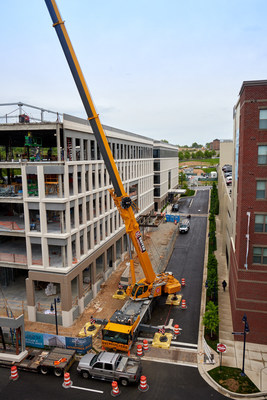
(57, 361)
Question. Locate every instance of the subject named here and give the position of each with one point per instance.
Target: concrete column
(66, 182)
(80, 293)
(90, 170)
(93, 278)
(69, 252)
(58, 142)
(45, 252)
(30, 293)
(75, 180)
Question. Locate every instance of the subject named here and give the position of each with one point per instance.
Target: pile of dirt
(104, 305)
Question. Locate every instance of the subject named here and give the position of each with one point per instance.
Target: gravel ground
(158, 243)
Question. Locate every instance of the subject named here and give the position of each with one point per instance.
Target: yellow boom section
(120, 197)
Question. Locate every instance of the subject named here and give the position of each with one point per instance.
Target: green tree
(181, 155)
(211, 317)
(187, 155)
(182, 178)
(193, 154)
(164, 141)
(199, 154)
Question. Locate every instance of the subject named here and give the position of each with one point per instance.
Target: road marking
(164, 361)
(89, 390)
(190, 203)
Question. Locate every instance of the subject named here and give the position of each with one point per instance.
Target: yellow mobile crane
(152, 285)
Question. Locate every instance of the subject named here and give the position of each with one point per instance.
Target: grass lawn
(231, 379)
(201, 162)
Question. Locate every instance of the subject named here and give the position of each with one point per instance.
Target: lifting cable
(168, 315)
(6, 304)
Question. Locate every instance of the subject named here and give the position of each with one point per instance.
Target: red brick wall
(248, 288)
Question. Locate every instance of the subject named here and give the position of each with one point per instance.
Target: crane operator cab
(141, 291)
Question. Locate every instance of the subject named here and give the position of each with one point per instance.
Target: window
(262, 155)
(260, 255)
(98, 365)
(263, 119)
(108, 367)
(261, 190)
(260, 223)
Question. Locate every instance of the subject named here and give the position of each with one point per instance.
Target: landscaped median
(231, 379)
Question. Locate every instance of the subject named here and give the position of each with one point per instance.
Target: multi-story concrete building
(59, 228)
(247, 209)
(166, 172)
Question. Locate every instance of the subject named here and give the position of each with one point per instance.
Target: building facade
(247, 206)
(59, 228)
(166, 172)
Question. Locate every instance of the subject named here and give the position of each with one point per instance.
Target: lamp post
(246, 330)
(52, 308)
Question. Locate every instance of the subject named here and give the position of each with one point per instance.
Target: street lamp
(246, 330)
(52, 308)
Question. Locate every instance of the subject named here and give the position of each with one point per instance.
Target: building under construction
(60, 233)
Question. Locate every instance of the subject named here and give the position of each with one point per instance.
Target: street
(164, 380)
(187, 262)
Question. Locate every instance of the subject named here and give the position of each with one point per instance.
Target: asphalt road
(187, 262)
(164, 380)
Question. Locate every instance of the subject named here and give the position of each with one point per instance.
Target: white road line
(89, 390)
(164, 361)
(190, 203)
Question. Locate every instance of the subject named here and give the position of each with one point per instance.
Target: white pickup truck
(110, 366)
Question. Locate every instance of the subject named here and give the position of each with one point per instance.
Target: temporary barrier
(67, 382)
(139, 350)
(184, 306)
(183, 282)
(176, 330)
(115, 389)
(14, 373)
(145, 345)
(143, 386)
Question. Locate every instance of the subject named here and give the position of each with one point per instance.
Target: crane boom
(120, 197)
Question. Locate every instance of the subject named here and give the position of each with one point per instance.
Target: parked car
(227, 167)
(228, 174)
(184, 226)
(110, 366)
(175, 207)
(229, 180)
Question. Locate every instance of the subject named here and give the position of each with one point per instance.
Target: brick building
(215, 145)
(248, 244)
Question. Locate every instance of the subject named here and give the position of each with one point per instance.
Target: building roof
(252, 83)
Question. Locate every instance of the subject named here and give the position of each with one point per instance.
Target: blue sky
(165, 69)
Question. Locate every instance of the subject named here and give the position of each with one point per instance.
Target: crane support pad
(174, 299)
(88, 330)
(120, 294)
(157, 340)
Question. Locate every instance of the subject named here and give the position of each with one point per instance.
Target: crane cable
(6, 304)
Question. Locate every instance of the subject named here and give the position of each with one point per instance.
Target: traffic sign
(221, 347)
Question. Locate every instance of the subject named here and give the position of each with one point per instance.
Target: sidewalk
(256, 354)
